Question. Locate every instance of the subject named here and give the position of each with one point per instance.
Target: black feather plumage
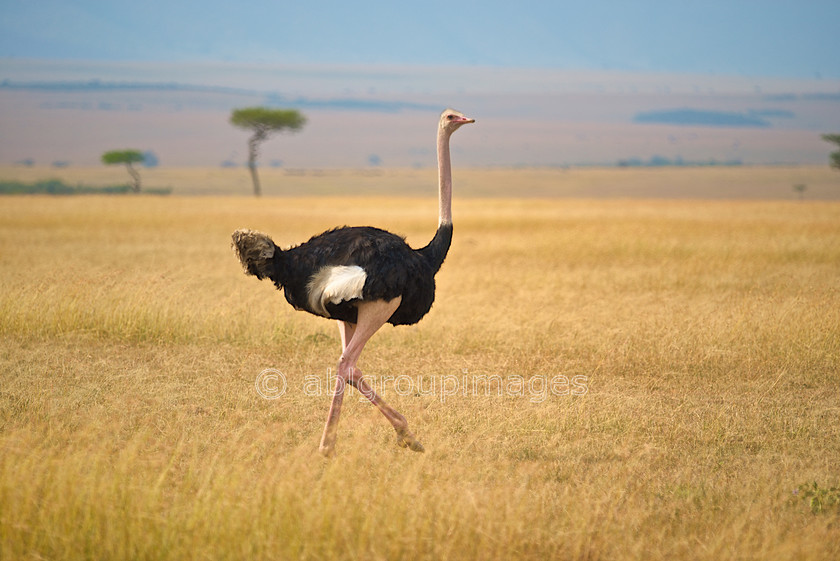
(392, 267)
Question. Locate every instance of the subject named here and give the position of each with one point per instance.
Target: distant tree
(150, 159)
(127, 157)
(800, 188)
(834, 157)
(263, 122)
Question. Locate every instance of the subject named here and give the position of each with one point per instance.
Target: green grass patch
(58, 187)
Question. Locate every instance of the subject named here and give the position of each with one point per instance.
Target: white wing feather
(335, 284)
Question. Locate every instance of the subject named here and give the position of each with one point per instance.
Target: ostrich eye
(450, 117)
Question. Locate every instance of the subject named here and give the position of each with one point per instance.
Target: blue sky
(551, 83)
(732, 37)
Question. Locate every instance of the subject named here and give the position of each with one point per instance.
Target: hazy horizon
(71, 111)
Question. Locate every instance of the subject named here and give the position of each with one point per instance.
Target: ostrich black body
(392, 269)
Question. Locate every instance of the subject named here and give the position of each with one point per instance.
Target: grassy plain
(706, 335)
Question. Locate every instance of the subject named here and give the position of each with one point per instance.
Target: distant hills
(379, 116)
(697, 117)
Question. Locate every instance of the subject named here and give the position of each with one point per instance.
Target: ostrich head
(450, 120)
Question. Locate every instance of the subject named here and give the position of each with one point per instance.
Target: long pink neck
(444, 179)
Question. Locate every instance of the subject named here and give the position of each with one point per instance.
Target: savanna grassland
(666, 377)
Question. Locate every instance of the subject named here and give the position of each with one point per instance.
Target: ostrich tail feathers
(255, 251)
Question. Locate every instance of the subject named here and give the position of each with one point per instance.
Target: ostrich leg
(372, 315)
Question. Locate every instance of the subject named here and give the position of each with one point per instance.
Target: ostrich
(363, 277)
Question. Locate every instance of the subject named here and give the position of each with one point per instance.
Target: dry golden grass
(707, 336)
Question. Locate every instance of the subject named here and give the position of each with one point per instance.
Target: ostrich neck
(444, 179)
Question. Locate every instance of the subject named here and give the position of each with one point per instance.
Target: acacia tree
(834, 157)
(263, 122)
(127, 157)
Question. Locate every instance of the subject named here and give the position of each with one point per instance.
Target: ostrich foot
(408, 440)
